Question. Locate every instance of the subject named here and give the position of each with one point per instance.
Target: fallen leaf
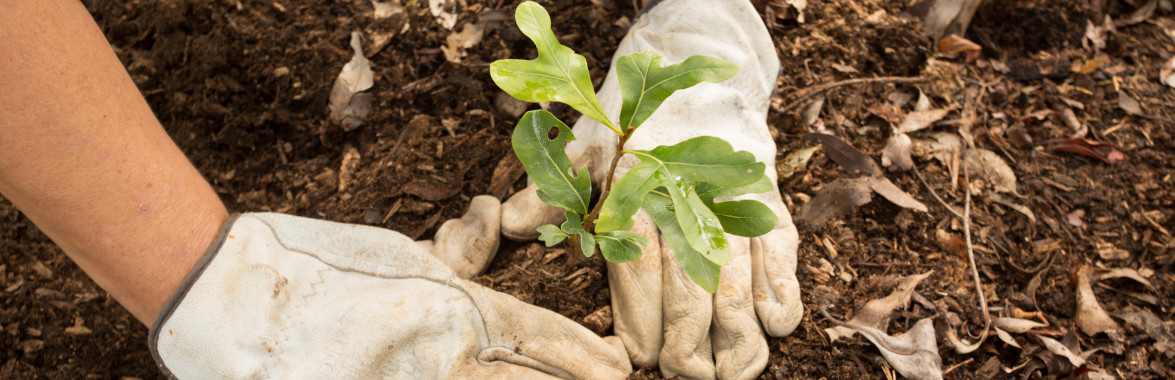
(1139, 15)
(811, 112)
(456, 43)
(1101, 151)
(430, 191)
(1128, 104)
(835, 199)
(1162, 332)
(845, 195)
(1091, 318)
(844, 69)
(892, 193)
(1057, 348)
(1095, 35)
(1124, 273)
(1007, 338)
(913, 354)
(444, 17)
(953, 45)
(852, 160)
(897, 152)
(795, 161)
(992, 168)
(347, 105)
(997, 198)
(875, 314)
(918, 120)
(1016, 325)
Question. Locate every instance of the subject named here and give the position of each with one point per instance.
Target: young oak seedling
(676, 184)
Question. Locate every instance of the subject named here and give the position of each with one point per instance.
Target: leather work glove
(660, 314)
(279, 296)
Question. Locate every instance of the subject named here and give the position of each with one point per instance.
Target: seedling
(676, 184)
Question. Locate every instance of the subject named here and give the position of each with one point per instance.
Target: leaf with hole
(547, 163)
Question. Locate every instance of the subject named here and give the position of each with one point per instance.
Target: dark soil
(242, 87)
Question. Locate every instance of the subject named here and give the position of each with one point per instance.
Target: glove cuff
(178, 297)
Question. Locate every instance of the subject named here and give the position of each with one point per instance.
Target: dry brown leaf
(953, 45)
(918, 120)
(1091, 318)
(913, 354)
(1016, 325)
(897, 152)
(875, 313)
(1124, 273)
(1162, 332)
(811, 112)
(386, 9)
(446, 18)
(891, 192)
(1057, 348)
(1095, 35)
(1128, 104)
(795, 161)
(347, 104)
(992, 168)
(837, 198)
(997, 198)
(456, 43)
(844, 154)
(1007, 338)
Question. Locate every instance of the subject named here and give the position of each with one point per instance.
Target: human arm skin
(83, 156)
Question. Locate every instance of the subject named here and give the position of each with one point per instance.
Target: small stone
(372, 216)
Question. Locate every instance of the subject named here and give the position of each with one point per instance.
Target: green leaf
(700, 159)
(702, 271)
(700, 227)
(558, 74)
(621, 246)
(574, 226)
(644, 84)
(708, 192)
(551, 234)
(747, 217)
(547, 163)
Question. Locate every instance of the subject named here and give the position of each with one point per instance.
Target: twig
(828, 86)
(957, 365)
(966, 218)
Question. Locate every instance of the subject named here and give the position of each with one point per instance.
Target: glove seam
(182, 291)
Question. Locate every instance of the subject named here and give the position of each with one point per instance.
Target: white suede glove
(660, 314)
(286, 297)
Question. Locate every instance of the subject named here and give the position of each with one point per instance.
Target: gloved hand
(279, 296)
(659, 313)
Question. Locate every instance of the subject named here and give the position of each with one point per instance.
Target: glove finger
(740, 349)
(524, 212)
(773, 260)
(467, 245)
(688, 311)
(636, 297)
(533, 337)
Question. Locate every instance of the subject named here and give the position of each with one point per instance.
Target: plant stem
(589, 221)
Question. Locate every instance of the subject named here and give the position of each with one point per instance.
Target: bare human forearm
(82, 155)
